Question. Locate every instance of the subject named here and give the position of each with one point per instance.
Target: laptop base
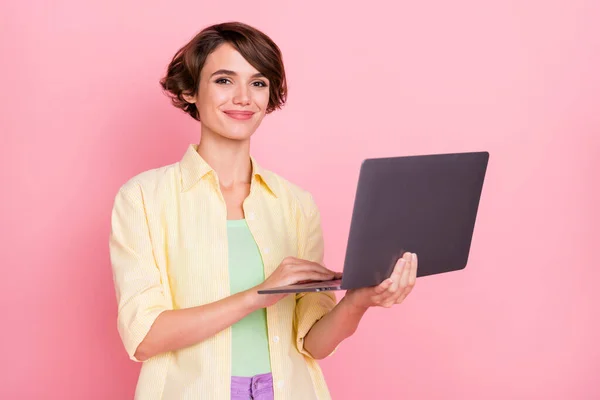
(319, 286)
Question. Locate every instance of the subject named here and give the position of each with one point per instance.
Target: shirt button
(276, 339)
(266, 250)
(280, 384)
(251, 216)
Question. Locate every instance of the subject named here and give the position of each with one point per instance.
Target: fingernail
(414, 256)
(402, 262)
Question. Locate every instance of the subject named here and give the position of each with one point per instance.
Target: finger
(384, 297)
(307, 276)
(406, 271)
(397, 274)
(400, 279)
(400, 294)
(328, 270)
(400, 264)
(383, 286)
(407, 282)
(290, 260)
(399, 269)
(388, 304)
(404, 261)
(296, 262)
(403, 295)
(316, 268)
(413, 273)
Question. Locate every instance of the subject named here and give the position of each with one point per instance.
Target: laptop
(424, 204)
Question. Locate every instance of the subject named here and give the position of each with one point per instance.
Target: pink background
(82, 112)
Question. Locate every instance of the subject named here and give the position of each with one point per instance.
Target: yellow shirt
(168, 248)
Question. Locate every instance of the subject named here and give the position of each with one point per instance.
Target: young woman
(192, 242)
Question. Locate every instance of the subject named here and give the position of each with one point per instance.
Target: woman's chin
(230, 131)
(239, 135)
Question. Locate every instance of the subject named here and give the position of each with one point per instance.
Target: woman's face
(232, 95)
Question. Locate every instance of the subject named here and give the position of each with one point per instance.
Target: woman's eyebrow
(233, 73)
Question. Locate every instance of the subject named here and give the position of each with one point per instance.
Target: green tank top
(249, 338)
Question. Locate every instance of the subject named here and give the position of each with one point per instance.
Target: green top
(249, 340)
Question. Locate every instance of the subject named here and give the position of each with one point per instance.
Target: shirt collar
(194, 168)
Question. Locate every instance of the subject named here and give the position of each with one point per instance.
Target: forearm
(335, 326)
(177, 329)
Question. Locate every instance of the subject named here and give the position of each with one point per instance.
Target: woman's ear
(189, 99)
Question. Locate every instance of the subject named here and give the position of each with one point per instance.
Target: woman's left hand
(391, 291)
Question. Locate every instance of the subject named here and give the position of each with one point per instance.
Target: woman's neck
(230, 159)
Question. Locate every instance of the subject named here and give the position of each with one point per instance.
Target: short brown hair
(183, 73)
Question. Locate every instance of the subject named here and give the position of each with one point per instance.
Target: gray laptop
(425, 204)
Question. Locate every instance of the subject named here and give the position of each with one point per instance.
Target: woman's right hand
(290, 272)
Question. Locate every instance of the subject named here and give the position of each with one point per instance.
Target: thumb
(383, 286)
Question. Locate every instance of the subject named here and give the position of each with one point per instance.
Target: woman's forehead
(227, 58)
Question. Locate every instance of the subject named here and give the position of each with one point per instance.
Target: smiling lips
(239, 115)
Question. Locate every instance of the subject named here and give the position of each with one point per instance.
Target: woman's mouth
(239, 115)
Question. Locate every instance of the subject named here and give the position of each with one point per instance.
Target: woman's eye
(260, 84)
(222, 81)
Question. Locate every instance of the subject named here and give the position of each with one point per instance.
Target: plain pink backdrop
(82, 112)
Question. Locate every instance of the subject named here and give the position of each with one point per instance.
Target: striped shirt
(168, 248)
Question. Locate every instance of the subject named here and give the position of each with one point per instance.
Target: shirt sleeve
(140, 295)
(311, 306)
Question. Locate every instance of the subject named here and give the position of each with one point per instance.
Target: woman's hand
(292, 271)
(391, 291)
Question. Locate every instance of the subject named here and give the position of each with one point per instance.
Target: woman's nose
(242, 95)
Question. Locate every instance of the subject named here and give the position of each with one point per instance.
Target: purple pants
(259, 387)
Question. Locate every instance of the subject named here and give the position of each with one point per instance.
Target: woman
(192, 242)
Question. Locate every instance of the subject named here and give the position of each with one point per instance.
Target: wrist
(252, 300)
(351, 306)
